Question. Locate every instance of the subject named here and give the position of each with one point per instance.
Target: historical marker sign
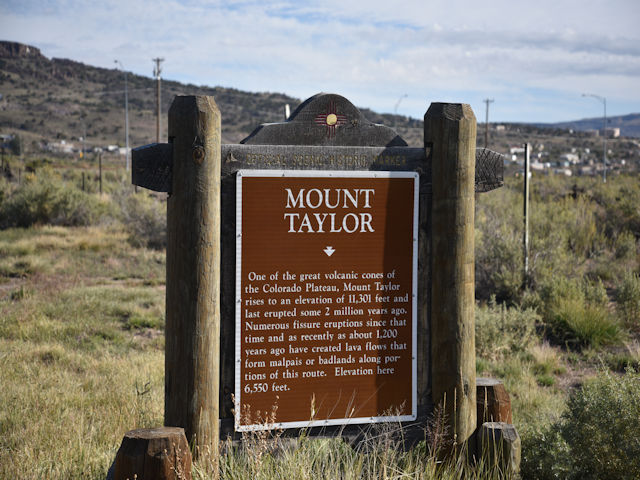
(338, 239)
(326, 292)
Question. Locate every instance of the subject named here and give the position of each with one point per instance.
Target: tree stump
(153, 453)
(500, 446)
(492, 401)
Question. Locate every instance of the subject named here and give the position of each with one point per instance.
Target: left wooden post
(192, 348)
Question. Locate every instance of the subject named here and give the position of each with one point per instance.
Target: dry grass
(81, 349)
(78, 369)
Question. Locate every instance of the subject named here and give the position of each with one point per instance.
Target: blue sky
(533, 58)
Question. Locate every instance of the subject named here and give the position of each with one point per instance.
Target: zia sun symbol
(330, 120)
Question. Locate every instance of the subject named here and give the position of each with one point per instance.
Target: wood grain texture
(153, 454)
(450, 132)
(192, 350)
(493, 403)
(151, 166)
(500, 446)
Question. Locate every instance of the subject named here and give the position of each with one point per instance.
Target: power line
(113, 92)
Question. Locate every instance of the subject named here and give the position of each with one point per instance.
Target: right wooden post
(450, 137)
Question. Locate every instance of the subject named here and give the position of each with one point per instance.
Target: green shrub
(596, 438)
(602, 425)
(145, 218)
(545, 455)
(576, 312)
(621, 360)
(498, 247)
(580, 324)
(501, 330)
(43, 200)
(560, 287)
(628, 298)
(625, 246)
(621, 206)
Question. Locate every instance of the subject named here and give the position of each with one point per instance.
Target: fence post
(450, 134)
(192, 348)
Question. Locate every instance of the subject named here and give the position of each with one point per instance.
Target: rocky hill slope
(46, 100)
(50, 100)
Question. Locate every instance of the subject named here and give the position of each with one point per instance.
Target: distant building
(537, 166)
(570, 158)
(500, 128)
(60, 147)
(612, 132)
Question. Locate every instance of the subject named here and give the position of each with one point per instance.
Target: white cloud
(372, 52)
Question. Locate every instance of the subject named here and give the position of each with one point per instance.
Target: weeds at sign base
(378, 454)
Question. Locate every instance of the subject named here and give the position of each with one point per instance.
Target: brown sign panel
(326, 295)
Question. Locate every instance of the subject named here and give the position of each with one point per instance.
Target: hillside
(629, 125)
(52, 100)
(47, 100)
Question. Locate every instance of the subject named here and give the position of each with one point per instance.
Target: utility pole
(486, 122)
(126, 117)
(157, 70)
(525, 238)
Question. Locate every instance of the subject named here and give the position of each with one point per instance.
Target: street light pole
(126, 116)
(157, 70)
(395, 110)
(604, 133)
(486, 122)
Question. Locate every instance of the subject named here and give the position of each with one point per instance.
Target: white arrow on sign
(329, 250)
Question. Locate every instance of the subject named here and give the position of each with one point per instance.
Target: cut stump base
(500, 446)
(153, 453)
(492, 400)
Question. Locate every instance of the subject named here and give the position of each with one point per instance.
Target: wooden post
(100, 171)
(493, 403)
(83, 181)
(500, 447)
(153, 454)
(192, 348)
(450, 134)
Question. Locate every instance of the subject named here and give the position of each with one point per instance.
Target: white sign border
(414, 303)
